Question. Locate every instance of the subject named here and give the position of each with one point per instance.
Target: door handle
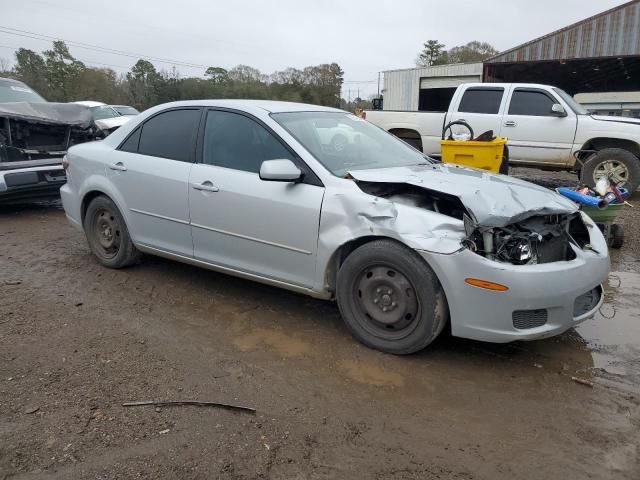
(118, 166)
(206, 186)
(510, 123)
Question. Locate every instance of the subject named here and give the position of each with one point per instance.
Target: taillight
(364, 115)
(65, 162)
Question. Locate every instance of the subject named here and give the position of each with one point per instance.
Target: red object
(65, 162)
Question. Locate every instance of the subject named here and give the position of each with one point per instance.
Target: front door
(150, 171)
(241, 222)
(535, 134)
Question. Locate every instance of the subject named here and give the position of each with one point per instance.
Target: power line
(79, 59)
(97, 48)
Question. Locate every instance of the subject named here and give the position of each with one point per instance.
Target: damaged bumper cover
(542, 300)
(542, 297)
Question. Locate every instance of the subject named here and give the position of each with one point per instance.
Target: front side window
(102, 112)
(531, 102)
(481, 100)
(235, 141)
(170, 134)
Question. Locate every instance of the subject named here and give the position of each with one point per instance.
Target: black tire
(617, 235)
(385, 274)
(597, 165)
(504, 166)
(108, 235)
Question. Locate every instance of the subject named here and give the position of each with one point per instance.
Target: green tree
(474, 51)
(62, 70)
(432, 50)
(217, 75)
(31, 69)
(143, 83)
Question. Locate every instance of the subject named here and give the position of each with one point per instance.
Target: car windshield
(102, 112)
(18, 92)
(575, 106)
(126, 110)
(343, 142)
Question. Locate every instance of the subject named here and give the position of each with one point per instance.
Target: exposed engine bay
(36, 131)
(536, 239)
(22, 140)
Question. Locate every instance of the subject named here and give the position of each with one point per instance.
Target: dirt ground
(77, 340)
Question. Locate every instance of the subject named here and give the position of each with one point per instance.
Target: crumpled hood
(48, 112)
(493, 200)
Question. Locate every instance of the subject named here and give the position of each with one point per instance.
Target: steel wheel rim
(611, 170)
(106, 230)
(386, 301)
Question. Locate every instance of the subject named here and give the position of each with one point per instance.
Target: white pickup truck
(545, 126)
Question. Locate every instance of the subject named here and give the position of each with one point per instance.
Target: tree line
(434, 53)
(59, 77)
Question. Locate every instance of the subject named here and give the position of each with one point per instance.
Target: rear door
(535, 134)
(481, 107)
(241, 222)
(150, 170)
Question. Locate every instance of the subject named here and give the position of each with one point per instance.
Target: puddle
(613, 335)
(285, 345)
(371, 375)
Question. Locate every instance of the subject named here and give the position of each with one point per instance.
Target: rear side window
(131, 143)
(234, 141)
(170, 135)
(481, 100)
(530, 102)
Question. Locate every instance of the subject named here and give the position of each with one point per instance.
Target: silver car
(403, 244)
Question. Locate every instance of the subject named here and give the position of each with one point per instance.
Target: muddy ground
(78, 340)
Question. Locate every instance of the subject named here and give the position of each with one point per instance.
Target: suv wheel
(107, 234)
(390, 299)
(616, 164)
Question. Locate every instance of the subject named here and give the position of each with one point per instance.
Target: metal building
(598, 54)
(425, 88)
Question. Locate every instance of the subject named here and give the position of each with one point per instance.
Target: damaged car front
(514, 260)
(34, 137)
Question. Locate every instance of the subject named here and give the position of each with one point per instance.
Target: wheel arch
(600, 143)
(407, 134)
(341, 253)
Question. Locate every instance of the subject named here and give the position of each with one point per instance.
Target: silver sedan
(404, 244)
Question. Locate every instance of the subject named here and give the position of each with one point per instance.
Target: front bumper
(28, 183)
(545, 293)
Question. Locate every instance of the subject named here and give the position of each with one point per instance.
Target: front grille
(524, 319)
(587, 301)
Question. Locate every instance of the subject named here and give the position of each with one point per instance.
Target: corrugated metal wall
(615, 32)
(402, 87)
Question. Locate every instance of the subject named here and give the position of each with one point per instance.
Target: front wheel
(107, 234)
(390, 299)
(616, 164)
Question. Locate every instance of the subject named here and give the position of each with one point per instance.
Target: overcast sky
(363, 36)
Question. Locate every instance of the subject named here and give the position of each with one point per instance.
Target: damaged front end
(535, 240)
(32, 133)
(505, 220)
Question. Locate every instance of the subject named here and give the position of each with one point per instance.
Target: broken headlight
(517, 249)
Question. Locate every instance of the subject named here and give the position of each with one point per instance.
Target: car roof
(271, 106)
(90, 103)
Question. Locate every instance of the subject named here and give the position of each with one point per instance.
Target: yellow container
(483, 155)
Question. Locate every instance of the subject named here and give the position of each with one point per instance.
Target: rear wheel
(390, 299)
(107, 234)
(616, 164)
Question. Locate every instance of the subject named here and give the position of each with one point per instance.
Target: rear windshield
(18, 92)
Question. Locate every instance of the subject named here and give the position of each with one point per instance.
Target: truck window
(481, 100)
(531, 102)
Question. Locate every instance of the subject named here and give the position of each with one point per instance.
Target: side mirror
(558, 110)
(280, 171)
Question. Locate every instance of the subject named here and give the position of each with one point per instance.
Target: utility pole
(378, 84)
